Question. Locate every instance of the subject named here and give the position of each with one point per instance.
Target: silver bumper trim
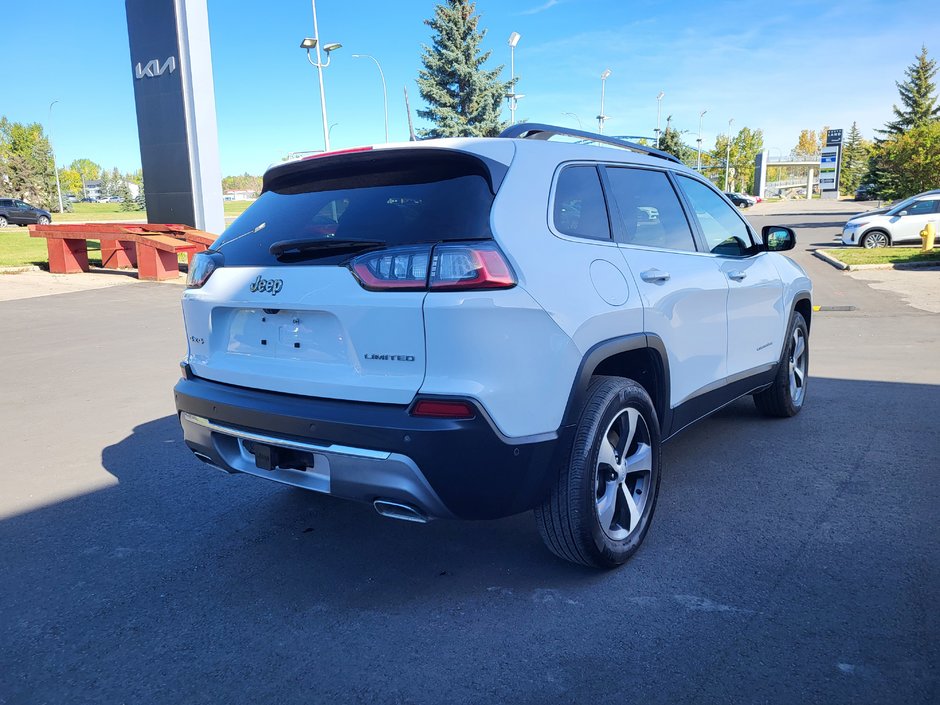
(284, 442)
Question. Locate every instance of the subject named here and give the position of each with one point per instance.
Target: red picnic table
(152, 248)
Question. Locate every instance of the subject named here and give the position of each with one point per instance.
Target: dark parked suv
(15, 212)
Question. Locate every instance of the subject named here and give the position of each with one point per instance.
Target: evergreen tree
(26, 165)
(671, 142)
(463, 98)
(917, 97)
(855, 153)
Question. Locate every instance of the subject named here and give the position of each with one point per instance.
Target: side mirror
(903, 213)
(778, 238)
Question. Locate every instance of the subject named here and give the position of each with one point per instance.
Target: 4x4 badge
(272, 286)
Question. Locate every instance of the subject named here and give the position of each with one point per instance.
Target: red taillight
(351, 150)
(450, 267)
(440, 409)
(399, 268)
(471, 266)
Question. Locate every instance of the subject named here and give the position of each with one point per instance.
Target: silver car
(898, 224)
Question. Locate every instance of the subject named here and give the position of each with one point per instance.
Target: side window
(580, 209)
(650, 209)
(725, 232)
(6, 202)
(922, 207)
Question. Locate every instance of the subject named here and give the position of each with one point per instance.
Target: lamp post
(314, 43)
(728, 154)
(55, 168)
(699, 159)
(601, 118)
(580, 126)
(659, 110)
(513, 96)
(384, 89)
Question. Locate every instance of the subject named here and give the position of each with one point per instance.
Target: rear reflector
(439, 409)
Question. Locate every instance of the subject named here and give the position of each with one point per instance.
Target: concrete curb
(838, 264)
(831, 260)
(17, 270)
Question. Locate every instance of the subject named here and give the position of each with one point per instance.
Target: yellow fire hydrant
(927, 235)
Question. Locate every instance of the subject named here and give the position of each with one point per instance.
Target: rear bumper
(445, 468)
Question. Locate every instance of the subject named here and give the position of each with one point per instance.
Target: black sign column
(171, 69)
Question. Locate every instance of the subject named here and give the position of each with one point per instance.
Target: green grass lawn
(235, 208)
(82, 212)
(883, 255)
(18, 249)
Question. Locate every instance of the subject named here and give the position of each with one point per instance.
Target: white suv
(472, 328)
(898, 224)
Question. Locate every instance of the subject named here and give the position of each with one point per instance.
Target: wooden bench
(152, 248)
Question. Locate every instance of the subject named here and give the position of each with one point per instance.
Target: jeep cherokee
(472, 328)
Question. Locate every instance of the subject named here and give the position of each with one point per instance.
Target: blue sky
(783, 67)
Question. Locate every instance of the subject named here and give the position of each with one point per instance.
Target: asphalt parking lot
(790, 561)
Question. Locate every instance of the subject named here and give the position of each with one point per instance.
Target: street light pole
(55, 168)
(314, 43)
(728, 154)
(659, 106)
(384, 89)
(602, 118)
(513, 96)
(699, 159)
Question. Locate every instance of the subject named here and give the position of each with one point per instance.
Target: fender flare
(615, 346)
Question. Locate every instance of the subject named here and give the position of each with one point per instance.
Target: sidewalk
(29, 285)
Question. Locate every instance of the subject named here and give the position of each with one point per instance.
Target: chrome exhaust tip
(397, 510)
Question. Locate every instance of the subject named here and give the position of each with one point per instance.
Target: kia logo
(270, 286)
(152, 68)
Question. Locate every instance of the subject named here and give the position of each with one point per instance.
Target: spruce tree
(671, 142)
(463, 98)
(917, 97)
(855, 153)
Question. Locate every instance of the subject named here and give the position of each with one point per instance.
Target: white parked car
(899, 224)
(473, 328)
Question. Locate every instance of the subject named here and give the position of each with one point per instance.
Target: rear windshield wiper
(322, 247)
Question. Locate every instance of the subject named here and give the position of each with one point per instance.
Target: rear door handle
(737, 275)
(654, 275)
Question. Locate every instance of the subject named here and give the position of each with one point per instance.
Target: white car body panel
(756, 312)
(335, 322)
(688, 312)
(502, 349)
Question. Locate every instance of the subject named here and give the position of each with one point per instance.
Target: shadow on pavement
(771, 536)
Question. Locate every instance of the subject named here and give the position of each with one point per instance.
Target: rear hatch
(284, 309)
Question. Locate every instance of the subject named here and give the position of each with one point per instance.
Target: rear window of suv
(416, 196)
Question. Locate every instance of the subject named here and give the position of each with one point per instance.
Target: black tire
(872, 235)
(778, 399)
(569, 520)
(3, 221)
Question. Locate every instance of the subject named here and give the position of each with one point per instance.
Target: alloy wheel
(624, 474)
(797, 365)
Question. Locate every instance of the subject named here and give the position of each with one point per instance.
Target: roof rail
(536, 131)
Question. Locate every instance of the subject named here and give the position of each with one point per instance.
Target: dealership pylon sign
(171, 68)
(830, 165)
